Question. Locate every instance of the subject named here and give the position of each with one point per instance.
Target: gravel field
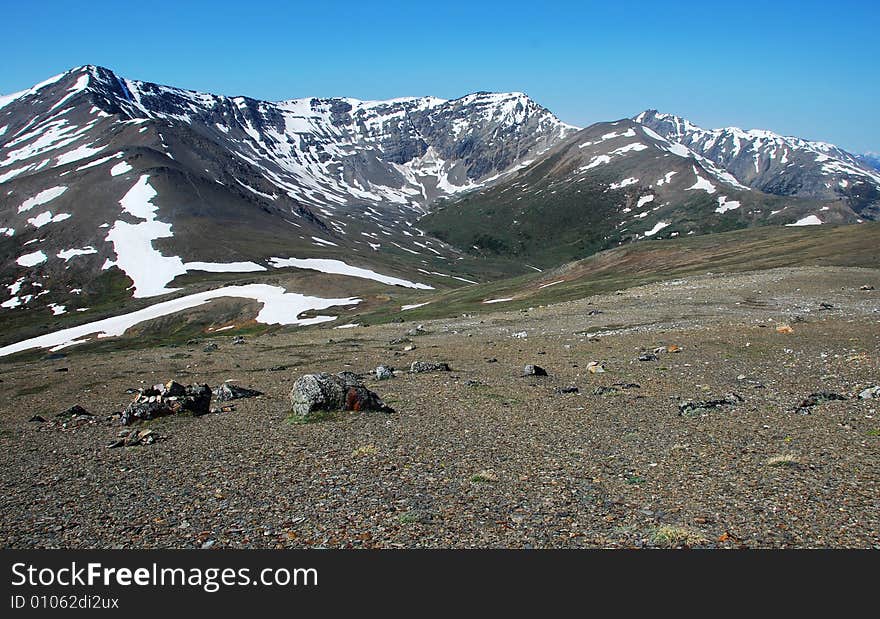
(482, 456)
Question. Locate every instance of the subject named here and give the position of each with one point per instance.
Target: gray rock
(227, 391)
(534, 370)
(384, 372)
(870, 393)
(333, 392)
(648, 356)
(419, 367)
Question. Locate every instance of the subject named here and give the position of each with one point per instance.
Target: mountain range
(114, 191)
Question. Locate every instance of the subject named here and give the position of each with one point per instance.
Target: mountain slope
(777, 164)
(113, 184)
(609, 184)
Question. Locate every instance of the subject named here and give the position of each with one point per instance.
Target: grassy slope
(650, 261)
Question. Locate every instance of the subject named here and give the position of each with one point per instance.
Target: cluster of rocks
(819, 397)
(173, 398)
(133, 438)
(69, 418)
(314, 393)
(169, 399)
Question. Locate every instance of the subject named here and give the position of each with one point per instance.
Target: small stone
(784, 329)
(534, 370)
(867, 287)
(648, 357)
(384, 372)
(38, 419)
(571, 389)
(520, 335)
(409, 348)
(419, 367)
(211, 347)
(870, 393)
(227, 392)
(595, 367)
(74, 411)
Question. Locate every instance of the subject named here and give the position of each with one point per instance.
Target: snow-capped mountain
(778, 164)
(609, 184)
(109, 182)
(871, 160)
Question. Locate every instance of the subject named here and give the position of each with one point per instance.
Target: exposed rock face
(778, 164)
(344, 391)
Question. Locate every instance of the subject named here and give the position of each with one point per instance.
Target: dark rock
(419, 367)
(211, 347)
(197, 400)
(226, 392)
(628, 385)
(238, 340)
(417, 331)
(384, 372)
(825, 306)
(819, 397)
(74, 411)
(691, 408)
(158, 401)
(333, 392)
(571, 389)
(278, 368)
(491, 360)
(594, 312)
(534, 370)
(648, 356)
(62, 369)
(38, 418)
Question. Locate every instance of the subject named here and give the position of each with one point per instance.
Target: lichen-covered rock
(418, 367)
(344, 391)
(383, 372)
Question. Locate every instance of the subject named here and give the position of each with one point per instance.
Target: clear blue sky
(797, 67)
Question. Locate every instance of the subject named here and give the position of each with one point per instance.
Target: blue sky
(799, 68)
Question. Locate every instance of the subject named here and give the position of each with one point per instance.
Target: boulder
(344, 391)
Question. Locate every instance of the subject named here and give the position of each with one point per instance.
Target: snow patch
(279, 307)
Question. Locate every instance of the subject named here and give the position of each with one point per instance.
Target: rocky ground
(717, 444)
